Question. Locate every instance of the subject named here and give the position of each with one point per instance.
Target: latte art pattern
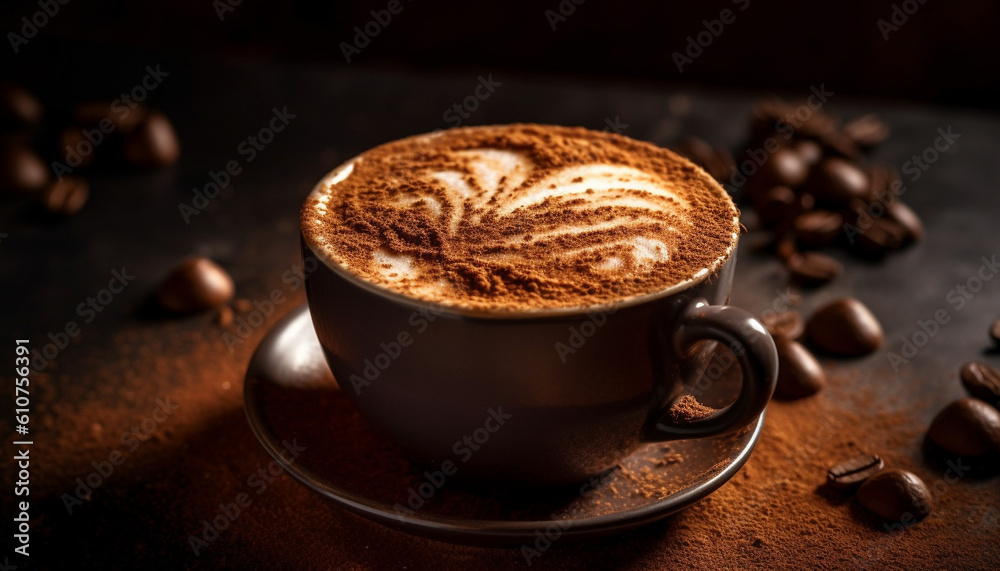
(521, 217)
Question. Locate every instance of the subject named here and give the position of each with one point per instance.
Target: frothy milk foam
(521, 217)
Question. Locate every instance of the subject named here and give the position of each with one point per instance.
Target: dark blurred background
(940, 52)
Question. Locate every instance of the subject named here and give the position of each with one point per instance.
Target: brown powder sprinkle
(688, 409)
(522, 217)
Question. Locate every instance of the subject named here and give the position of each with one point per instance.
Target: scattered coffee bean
(74, 148)
(784, 167)
(818, 227)
(21, 169)
(109, 118)
(776, 205)
(968, 427)
(844, 327)
(786, 248)
(981, 381)
(836, 181)
(850, 474)
(18, 107)
(995, 332)
(813, 268)
(196, 284)
(837, 143)
(810, 151)
(896, 495)
(882, 236)
(152, 143)
(66, 196)
(882, 178)
(788, 324)
(867, 131)
(799, 373)
(908, 219)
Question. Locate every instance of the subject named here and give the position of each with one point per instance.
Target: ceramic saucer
(304, 422)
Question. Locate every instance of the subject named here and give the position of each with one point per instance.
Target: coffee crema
(521, 217)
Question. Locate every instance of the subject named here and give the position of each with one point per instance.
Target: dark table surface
(111, 375)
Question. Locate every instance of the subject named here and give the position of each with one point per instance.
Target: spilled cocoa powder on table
(773, 514)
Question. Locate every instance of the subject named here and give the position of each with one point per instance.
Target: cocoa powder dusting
(774, 514)
(492, 218)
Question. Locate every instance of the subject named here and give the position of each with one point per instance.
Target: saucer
(312, 431)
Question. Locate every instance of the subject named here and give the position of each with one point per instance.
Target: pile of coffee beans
(99, 134)
(843, 328)
(804, 177)
(812, 190)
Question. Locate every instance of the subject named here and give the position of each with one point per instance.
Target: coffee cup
(532, 397)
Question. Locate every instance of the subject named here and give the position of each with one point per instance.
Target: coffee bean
(109, 119)
(783, 167)
(18, 107)
(196, 284)
(21, 169)
(717, 162)
(995, 332)
(788, 324)
(882, 178)
(844, 327)
(896, 495)
(74, 148)
(867, 130)
(818, 227)
(908, 219)
(786, 248)
(968, 427)
(850, 474)
(813, 268)
(799, 373)
(981, 381)
(837, 143)
(882, 236)
(810, 151)
(775, 206)
(153, 143)
(66, 196)
(836, 181)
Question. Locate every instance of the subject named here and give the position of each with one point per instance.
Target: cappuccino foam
(521, 217)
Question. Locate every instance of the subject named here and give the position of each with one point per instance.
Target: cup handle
(755, 353)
